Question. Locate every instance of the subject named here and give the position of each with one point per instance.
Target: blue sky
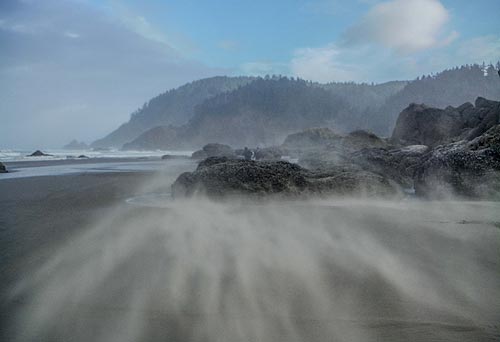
(265, 36)
(80, 67)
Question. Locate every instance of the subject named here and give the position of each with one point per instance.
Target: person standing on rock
(247, 154)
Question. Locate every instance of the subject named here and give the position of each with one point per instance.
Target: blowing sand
(80, 263)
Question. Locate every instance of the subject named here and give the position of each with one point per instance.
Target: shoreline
(38, 168)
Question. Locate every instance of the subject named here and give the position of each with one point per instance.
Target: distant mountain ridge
(174, 107)
(262, 111)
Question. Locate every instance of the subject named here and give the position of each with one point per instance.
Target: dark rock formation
(486, 115)
(422, 125)
(419, 124)
(76, 145)
(398, 164)
(468, 169)
(221, 177)
(82, 156)
(3, 169)
(39, 153)
(214, 150)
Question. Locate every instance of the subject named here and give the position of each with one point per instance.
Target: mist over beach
(251, 171)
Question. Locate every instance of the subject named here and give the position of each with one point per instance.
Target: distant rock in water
(76, 145)
(222, 177)
(3, 169)
(39, 153)
(214, 150)
(82, 156)
(422, 125)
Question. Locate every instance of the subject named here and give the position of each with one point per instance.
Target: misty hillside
(262, 111)
(174, 107)
(265, 111)
(361, 96)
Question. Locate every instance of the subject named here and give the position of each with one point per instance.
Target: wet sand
(39, 215)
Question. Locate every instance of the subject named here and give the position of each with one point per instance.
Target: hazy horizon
(77, 69)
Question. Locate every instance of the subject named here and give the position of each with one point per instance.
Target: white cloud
(405, 26)
(396, 39)
(371, 63)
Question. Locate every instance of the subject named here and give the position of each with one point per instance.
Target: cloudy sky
(78, 68)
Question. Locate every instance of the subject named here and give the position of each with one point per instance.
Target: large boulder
(465, 169)
(486, 115)
(419, 124)
(214, 150)
(3, 169)
(220, 177)
(422, 125)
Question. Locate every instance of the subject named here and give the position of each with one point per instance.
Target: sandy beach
(364, 270)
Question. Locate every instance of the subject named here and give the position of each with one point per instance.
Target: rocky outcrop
(457, 162)
(419, 124)
(422, 125)
(486, 115)
(76, 145)
(468, 169)
(222, 177)
(39, 153)
(398, 164)
(3, 169)
(214, 150)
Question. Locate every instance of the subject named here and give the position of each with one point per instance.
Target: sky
(78, 68)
